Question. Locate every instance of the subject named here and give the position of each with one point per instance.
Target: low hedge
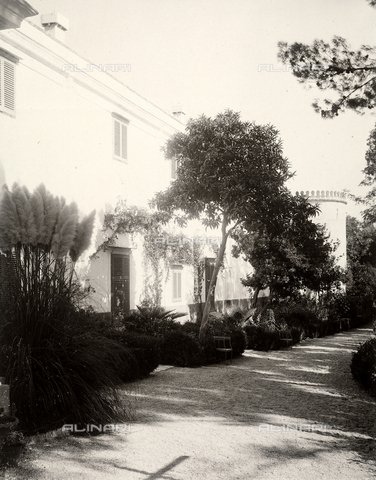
(181, 349)
(261, 339)
(302, 324)
(363, 365)
(144, 349)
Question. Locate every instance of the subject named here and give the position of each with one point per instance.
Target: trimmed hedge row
(155, 337)
(363, 365)
(302, 324)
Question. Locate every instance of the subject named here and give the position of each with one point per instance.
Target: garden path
(287, 414)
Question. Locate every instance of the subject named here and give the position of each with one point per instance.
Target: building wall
(62, 135)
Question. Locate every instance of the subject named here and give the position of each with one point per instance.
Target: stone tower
(332, 214)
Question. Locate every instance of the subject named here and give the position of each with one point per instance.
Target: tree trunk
(255, 296)
(213, 280)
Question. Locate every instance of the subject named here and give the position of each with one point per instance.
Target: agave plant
(156, 312)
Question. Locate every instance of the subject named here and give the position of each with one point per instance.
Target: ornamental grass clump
(57, 373)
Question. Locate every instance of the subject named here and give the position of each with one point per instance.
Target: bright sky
(205, 55)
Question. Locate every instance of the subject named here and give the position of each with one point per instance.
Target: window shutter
(1, 83)
(117, 138)
(124, 141)
(176, 285)
(179, 285)
(120, 137)
(9, 74)
(7, 86)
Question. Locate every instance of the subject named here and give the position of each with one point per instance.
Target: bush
(152, 320)
(191, 328)
(67, 380)
(182, 350)
(363, 365)
(260, 339)
(145, 349)
(239, 342)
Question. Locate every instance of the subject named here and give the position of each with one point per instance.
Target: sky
(211, 55)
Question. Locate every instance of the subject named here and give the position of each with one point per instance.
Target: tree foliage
(369, 214)
(297, 257)
(351, 74)
(361, 259)
(230, 173)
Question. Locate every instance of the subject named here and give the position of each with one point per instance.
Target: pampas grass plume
(10, 230)
(83, 238)
(66, 230)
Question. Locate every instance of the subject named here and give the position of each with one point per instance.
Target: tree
(361, 259)
(230, 173)
(349, 73)
(298, 257)
(369, 214)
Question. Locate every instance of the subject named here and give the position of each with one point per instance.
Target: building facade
(86, 136)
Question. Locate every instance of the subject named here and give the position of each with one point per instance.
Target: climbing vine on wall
(161, 247)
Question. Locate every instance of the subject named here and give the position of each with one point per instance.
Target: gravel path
(288, 414)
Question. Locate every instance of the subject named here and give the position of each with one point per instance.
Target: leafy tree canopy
(369, 214)
(298, 257)
(226, 167)
(230, 174)
(361, 258)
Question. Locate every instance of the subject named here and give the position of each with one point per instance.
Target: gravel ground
(288, 414)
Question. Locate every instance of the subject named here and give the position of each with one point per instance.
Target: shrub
(145, 349)
(66, 380)
(260, 339)
(299, 316)
(180, 349)
(152, 320)
(239, 342)
(363, 365)
(191, 328)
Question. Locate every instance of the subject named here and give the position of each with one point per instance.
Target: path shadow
(308, 384)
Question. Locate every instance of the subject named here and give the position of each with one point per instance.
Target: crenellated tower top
(324, 196)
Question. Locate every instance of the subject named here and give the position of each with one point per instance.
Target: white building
(72, 126)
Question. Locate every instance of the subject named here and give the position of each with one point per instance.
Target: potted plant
(12, 448)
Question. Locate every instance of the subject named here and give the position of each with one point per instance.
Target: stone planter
(6, 425)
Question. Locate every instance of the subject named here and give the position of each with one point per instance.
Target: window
(174, 164)
(176, 283)
(7, 83)
(120, 137)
